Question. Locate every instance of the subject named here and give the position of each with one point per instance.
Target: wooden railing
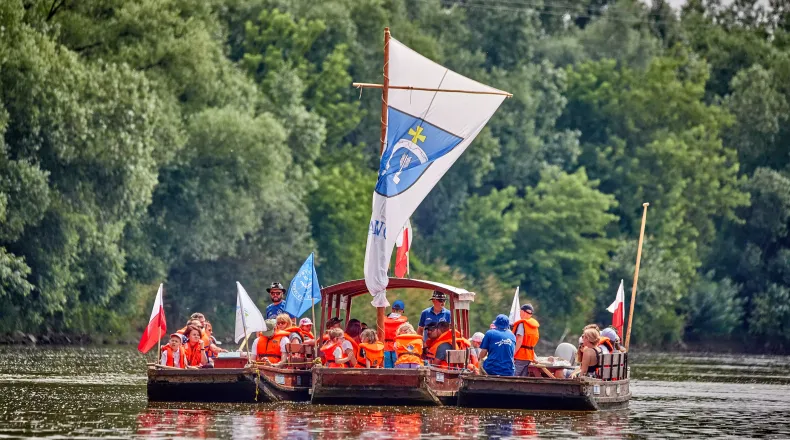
(614, 366)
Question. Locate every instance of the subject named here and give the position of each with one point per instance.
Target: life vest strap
(528, 347)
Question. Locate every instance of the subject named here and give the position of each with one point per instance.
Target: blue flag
(304, 289)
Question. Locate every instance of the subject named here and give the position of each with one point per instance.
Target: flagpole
(162, 305)
(426, 89)
(636, 275)
(243, 324)
(384, 113)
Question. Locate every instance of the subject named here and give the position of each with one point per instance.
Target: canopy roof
(357, 287)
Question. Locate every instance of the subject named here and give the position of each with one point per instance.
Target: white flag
(248, 318)
(515, 308)
(426, 133)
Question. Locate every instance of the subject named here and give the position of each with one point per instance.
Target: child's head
(405, 329)
(175, 341)
(193, 334)
(283, 321)
(368, 336)
(306, 325)
(335, 333)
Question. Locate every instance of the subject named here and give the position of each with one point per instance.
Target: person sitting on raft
(272, 350)
(213, 348)
(194, 350)
(333, 350)
(350, 346)
(391, 323)
(371, 350)
(611, 340)
(498, 348)
(408, 347)
(443, 341)
(590, 352)
(306, 325)
(172, 353)
(474, 350)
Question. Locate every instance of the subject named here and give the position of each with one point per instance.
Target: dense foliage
(198, 143)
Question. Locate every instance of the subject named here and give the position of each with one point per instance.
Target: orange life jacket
(390, 327)
(408, 347)
(530, 339)
(606, 342)
(329, 353)
(460, 344)
(269, 348)
(307, 335)
(354, 345)
(193, 353)
(372, 352)
(170, 362)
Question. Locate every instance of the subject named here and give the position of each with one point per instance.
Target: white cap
(477, 337)
(305, 321)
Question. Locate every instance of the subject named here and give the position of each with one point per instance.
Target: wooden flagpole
(384, 113)
(425, 89)
(159, 353)
(636, 275)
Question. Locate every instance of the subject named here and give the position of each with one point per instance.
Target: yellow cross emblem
(418, 136)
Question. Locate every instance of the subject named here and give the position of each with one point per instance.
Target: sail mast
(636, 275)
(384, 113)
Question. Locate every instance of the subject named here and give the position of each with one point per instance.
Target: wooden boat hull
(203, 385)
(283, 385)
(533, 393)
(251, 385)
(383, 386)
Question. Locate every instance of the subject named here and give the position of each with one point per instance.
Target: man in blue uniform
(436, 314)
(277, 306)
(499, 344)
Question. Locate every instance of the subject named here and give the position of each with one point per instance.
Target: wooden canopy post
(636, 275)
(452, 319)
(380, 312)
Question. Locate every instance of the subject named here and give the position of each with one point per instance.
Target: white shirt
(520, 330)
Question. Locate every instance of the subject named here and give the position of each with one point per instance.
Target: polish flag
(617, 308)
(156, 325)
(403, 244)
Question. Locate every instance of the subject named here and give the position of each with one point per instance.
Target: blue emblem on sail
(412, 145)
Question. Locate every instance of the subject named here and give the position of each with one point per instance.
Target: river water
(100, 392)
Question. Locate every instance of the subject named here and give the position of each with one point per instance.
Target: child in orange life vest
(306, 325)
(408, 347)
(172, 354)
(333, 350)
(284, 333)
(371, 351)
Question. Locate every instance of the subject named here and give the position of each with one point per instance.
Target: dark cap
(332, 321)
(431, 325)
(528, 308)
(438, 295)
(275, 285)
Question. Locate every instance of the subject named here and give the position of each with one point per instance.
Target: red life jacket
(530, 339)
(390, 327)
(372, 352)
(170, 361)
(329, 353)
(271, 349)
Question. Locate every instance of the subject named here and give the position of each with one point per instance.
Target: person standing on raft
(436, 314)
(391, 324)
(277, 306)
(527, 336)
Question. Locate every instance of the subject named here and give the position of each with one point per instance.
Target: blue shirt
(272, 310)
(501, 346)
(428, 316)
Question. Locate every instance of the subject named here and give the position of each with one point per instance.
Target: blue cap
(398, 305)
(502, 322)
(527, 308)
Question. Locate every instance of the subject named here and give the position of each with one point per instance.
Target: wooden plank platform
(362, 386)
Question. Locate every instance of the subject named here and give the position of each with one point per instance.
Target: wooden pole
(159, 353)
(384, 96)
(312, 309)
(636, 275)
(426, 89)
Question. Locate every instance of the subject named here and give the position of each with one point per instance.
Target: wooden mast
(384, 96)
(636, 275)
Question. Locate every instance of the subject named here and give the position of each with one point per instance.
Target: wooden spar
(636, 275)
(384, 113)
(424, 89)
(452, 320)
(159, 353)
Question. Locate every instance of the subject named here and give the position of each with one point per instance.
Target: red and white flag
(403, 243)
(156, 325)
(617, 308)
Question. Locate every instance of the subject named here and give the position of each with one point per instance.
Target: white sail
(248, 318)
(427, 131)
